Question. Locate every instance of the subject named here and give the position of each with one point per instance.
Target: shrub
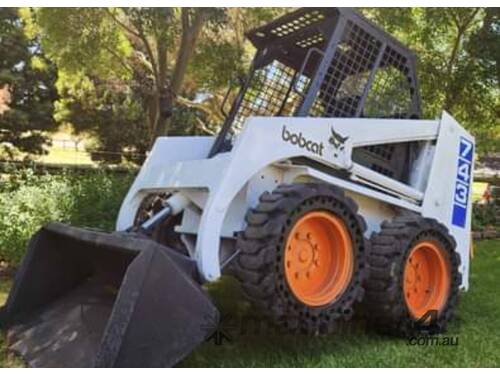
(97, 198)
(27, 202)
(484, 216)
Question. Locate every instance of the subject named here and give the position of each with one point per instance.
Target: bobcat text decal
(300, 141)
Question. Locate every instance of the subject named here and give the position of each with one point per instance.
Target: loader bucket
(84, 298)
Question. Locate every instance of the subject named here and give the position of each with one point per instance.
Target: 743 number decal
(463, 182)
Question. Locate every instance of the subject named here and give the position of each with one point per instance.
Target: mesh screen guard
(366, 78)
(358, 71)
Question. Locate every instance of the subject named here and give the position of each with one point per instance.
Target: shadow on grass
(475, 328)
(253, 341)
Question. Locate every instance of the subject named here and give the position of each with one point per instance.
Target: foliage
(114, 117)
(485, 216)
(30, 80)
(458, 51)
(124, 71)
(143, 50)
(81, 40)
(28, 201)
(166, 61)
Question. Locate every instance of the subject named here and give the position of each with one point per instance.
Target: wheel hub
(426, 279)
(318, 258)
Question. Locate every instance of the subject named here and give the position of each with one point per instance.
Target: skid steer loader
(322, 190)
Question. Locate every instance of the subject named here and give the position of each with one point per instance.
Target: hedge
(28, 201)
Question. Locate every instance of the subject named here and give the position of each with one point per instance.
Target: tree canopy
(458, 52)
(143, 68)
(27, 85)
(128, 75)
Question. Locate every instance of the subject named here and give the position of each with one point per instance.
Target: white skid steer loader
(323, 189)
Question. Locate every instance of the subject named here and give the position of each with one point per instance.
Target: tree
(29, 79)
(114, 116)
(220, 60)
(178, 62)
(458, 52)
(149, 47)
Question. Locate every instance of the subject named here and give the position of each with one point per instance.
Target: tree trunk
(160, 90)
(191, 29)
(462, 28)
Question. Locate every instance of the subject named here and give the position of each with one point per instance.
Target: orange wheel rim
(318, 259)
(426, 279)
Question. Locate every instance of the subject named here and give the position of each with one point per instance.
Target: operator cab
(329, 62)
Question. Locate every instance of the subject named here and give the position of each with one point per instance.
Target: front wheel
(302, 256)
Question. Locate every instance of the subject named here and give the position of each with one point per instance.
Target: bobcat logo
(301, 141)
(337, 141)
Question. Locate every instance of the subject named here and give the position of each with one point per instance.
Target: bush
(97, 198)
(27, 202)
(484, 216)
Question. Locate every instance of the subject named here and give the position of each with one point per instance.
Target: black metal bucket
(91, 299)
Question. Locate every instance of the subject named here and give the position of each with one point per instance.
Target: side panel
(373, 211)
(371, 205)
(162, 169)
(447, 197)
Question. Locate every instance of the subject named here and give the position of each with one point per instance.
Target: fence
(7, 167)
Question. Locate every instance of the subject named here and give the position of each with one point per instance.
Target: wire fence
(76, 155)
(78, 152)
(9, 167)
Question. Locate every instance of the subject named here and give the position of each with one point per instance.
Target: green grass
(6, 359)
(476, 326)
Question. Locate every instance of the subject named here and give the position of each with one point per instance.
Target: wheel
(302, 256)
(414, 277)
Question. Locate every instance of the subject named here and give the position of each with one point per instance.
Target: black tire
(260, 267)
(385, 301)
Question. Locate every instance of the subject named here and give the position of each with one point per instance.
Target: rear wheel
(426, 278)
(414, 277)
(302, 256)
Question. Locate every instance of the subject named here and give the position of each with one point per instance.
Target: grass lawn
(6, 359)
(477, 328)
